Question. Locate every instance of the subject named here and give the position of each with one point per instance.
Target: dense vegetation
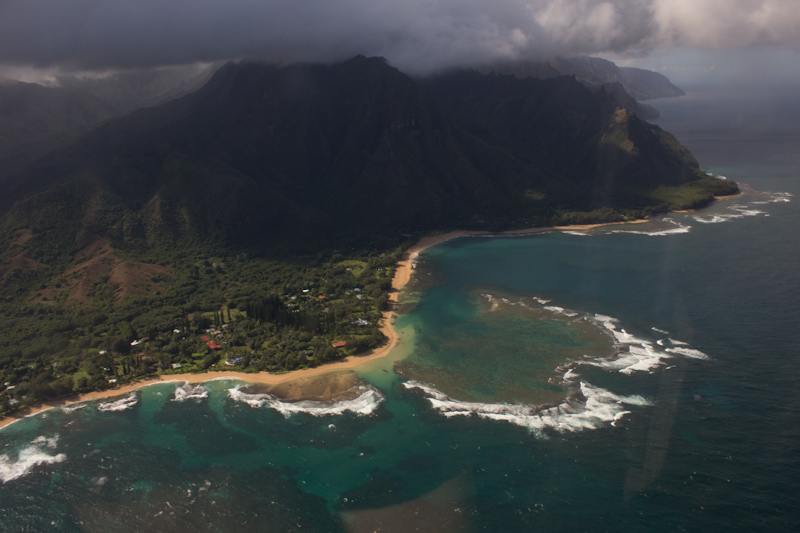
(263, 314)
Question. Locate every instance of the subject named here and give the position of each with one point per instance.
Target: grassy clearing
(692, 195)
(355, 267)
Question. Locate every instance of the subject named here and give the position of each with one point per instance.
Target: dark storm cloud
(412, 34)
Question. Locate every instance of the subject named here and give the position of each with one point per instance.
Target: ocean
(639, 377)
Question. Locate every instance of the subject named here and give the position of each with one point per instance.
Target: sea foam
(739, 210)
(689, 352)
(560, 311)
(735, 211)
(69, 409)
(775, 198)
(635, 354)
(33, 455)
(120, 405)
(365, 403)
(679, 228)
(591, 409)
(189, 392)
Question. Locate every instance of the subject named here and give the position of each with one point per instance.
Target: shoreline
(402, 276)
(716, 199)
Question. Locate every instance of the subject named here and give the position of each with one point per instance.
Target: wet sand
(716, 198)
(738, 194)
(330, 387)
(402, 276)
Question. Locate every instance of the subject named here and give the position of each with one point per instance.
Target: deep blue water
(685, 442)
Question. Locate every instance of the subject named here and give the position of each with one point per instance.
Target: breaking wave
(679, 228)
(560, 311)
(633, 354)
(774, 198)
(32, 456)
(689, 352)
(738, 210)
(120, 405)
(594, 407)
(189, 392)
(69, 409)
(364, 404)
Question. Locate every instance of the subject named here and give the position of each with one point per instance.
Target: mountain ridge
(264, 154)
(641, 84)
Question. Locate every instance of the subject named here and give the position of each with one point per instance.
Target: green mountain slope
(300, 155)
(31, 113)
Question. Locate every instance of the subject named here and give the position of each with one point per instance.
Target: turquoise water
(505, 410)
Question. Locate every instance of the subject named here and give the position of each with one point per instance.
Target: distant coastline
(401, 278)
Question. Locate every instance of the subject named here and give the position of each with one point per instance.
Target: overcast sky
(682, 38)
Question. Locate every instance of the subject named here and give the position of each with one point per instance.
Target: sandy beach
(738, 194)
(401, 278)
(716, 198)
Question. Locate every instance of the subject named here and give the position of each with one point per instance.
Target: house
(205, 338)
(339, 344)
(176, 365)
(360, 322)
(234, 361)
(213, 345)
(321, 297)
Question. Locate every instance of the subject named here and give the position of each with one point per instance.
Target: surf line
(402, 275)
